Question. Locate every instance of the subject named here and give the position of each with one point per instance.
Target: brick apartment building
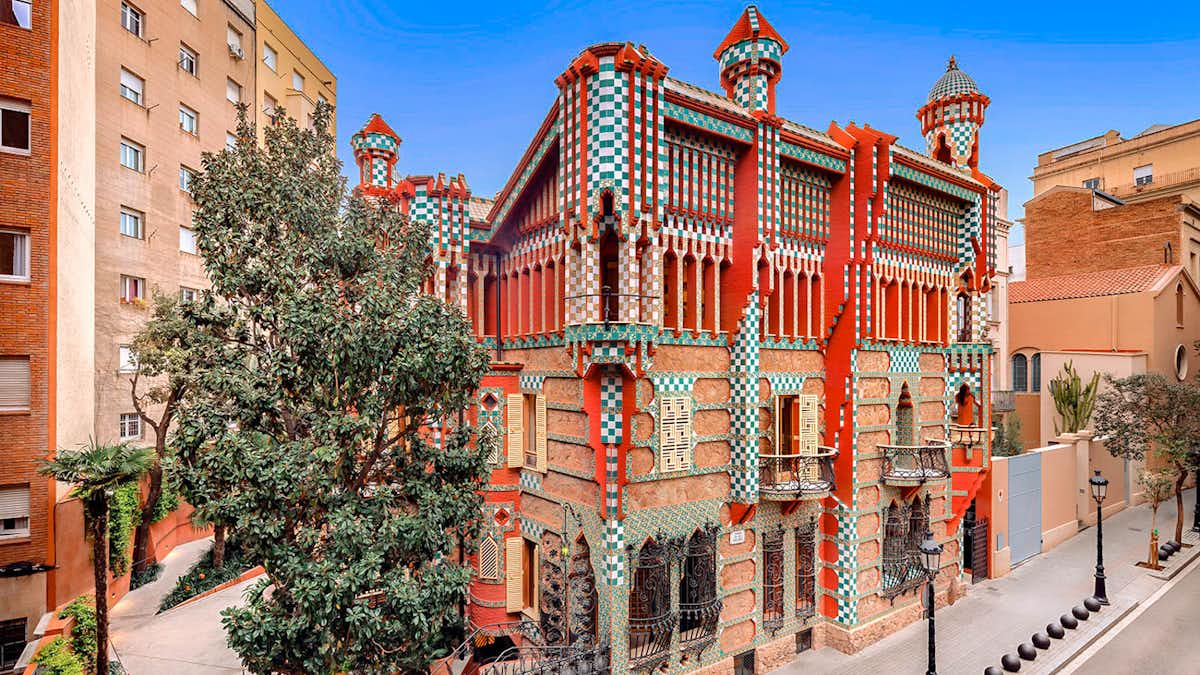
(738, 363)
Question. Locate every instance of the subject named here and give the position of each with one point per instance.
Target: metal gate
(1025, 506)
(979, 550)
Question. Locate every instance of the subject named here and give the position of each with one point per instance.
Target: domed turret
(376, 149)
(952, 116)
(751, 57)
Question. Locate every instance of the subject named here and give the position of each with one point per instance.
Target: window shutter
(513, 566)
(540, 432)
(14, 502)
(489, 558)
(14, 383)
(807, 435)
(794, 442)
(514, 431)
(675, 433)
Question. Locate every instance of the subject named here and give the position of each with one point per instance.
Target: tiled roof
(1089, 284)
(952, 83)
(376, 125)
(479, 207)
(750, 26)
(705, 96)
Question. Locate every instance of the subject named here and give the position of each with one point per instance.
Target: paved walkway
(186, 640)
(999, 614)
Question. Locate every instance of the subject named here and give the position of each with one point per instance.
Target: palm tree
(96, 470)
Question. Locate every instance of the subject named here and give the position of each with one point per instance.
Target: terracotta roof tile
(1088, 285)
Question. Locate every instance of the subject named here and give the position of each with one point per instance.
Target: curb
(1091, 639)
(248, 574)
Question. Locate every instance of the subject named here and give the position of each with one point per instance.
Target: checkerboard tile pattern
(743, 383)
(610, 408)
(614, 552)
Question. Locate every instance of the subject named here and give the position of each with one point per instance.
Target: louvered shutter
(489, 559)
(14, 383)
(514, 430)
(513, 565)
(540, 432)
(675, 433)
(14, 502)
(807, 435)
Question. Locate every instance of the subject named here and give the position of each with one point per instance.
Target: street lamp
(931, 558)
(1099, 485)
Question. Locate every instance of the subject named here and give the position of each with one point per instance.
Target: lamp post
(1099, 485)
(931, 557)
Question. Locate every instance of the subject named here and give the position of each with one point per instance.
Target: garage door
(1025, 506)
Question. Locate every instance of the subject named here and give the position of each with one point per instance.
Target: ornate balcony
(790, 477)
(907, 465)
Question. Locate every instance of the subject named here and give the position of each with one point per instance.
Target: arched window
(610, 277)
(1179, 305)
(489, 558)
(904, 417)
(1020, 372)
(1035, 365)
(963, 312)
(904, 528)
(699, 604)
(651, 621)
(806, 569)
(772, 552)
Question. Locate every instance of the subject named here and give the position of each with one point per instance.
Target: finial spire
(952, 65)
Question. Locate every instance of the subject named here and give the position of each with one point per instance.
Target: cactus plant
(1073, 401)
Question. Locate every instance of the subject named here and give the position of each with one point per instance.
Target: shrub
(124, 514)
(83, 635)
(203, 576)
(1008, 437)
(56, 658)
(168, 500)
(146, 576)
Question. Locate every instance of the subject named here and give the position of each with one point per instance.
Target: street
(1159, 640)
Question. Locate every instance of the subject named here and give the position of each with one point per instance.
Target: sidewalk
(999, 614)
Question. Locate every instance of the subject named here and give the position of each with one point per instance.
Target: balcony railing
(1003, 400)
(796, 476)
(609, 306)
(548, 660)
(1156, 182)
(915, 464)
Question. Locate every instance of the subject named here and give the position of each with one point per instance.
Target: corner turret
(951, 118)
(751, 61)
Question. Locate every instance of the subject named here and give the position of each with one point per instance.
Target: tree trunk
(1179, 481)
(1152, 561)
(141, 538)
(100, 569)
(218, 549)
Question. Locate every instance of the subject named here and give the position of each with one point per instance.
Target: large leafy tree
(96, 470)
(337, 403)
(1148, 413)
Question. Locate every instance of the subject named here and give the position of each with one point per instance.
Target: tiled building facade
(737, 362)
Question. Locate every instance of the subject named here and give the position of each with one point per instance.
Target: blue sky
(466, 84)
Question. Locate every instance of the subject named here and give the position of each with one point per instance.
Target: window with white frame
(269, 104)
(188, 59)
(233, 91)
(132, 155)
(14, 511)
(187, 294)
(14, 125)
(190, 6)
(185, 178)
(1143, 175)
(131, 426)
(270, 56)
(297, 81)
(1092, 183)
(14, 255)
(17, 13)
(14, 383)
(230, 142)
(187, 240)
(321, 99)
(132, 19)
(233, 38)
(189, 120)
(132, 224)
(126, 359)
(132, 87)
(132, 288)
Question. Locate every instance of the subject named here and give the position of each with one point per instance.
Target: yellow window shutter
(513, 565)
(675, 433)
(809, 435)
(514, 429)
(540, 431)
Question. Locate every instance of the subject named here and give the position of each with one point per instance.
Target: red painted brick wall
(27, 203)
(1063, 235)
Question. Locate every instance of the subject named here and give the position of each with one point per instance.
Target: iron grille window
(699, 606)
(773, 579)
(582, 600)
(903, 531)
(651, 620)
(806, 569)
(12, 642)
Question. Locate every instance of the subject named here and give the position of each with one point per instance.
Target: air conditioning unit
(236, 52)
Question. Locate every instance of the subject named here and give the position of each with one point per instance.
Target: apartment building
(289, 75)
(46, 188)
(1163, 160)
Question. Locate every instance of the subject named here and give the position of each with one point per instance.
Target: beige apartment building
(1161, 161)
(169, 77)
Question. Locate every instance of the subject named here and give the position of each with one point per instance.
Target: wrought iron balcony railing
(1003, 400)
(548, 660)
(796, 476)
(698, 623)
(609, 306)
(915, 464)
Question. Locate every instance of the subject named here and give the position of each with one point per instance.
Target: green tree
(337, 402)
(1156, 487)
(1072, 400)
(1007, 442)
(1148, 413)
(96, 471)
